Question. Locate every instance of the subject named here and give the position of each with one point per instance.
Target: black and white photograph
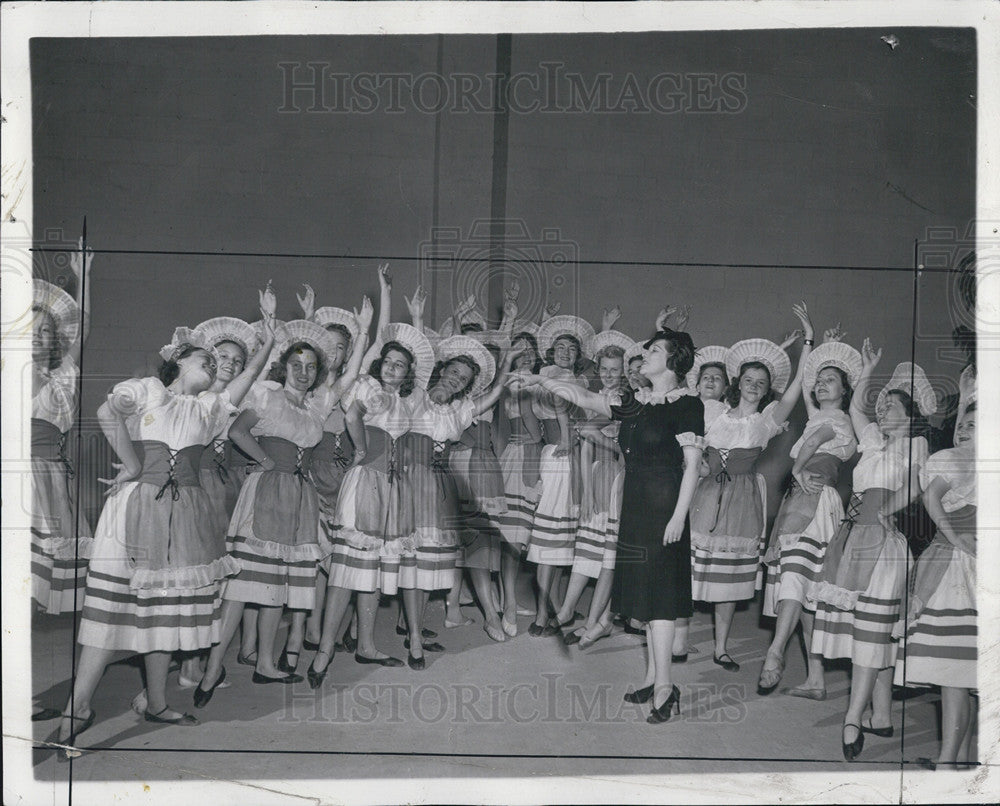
(463, 402)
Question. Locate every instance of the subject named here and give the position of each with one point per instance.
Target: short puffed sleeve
(689, 421)
(942, 465)
(323, 400)
(256, 398)
(768, 423)
(135, 396)
(627, 407)
(465, 412)
(364, 390)
(217, 408)
(870, 438)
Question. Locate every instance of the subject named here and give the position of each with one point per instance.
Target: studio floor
(527, 707)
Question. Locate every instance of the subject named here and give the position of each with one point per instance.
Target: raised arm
(415, 305)
(363, 319)
(869, 360)
(488, 399)
(307, 302)
(240, 385)
(794, 390)
(80, 264)
(384, 313)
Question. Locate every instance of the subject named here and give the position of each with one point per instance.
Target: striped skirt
(792, 574)
(364, 570)
(59, 549)
(725, 559)
(597, 536)
(117, 617)
(271, 574)
(940, 644)
(864, 633)
(516, 522)
(553, 529)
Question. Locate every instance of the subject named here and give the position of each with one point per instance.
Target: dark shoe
(65, 753)
(634, 630)
(430, 646)
(312, 646)
(45, 714)
(571, 638)
(726, 662)
(679, 658)
(424, 633)
(391, 662)
(672, 705)
(535, 630)
(316, 678)
(885, 733)
(183, 719)
(926, 763)
(283, 662)
(639, 696)
(350, 643)
(288, 680)
(247, 660)
(769, 678)
(202, 696)
(417, 664)
(853, 750)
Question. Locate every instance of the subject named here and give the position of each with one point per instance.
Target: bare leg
(545, 575)
(660, 635)
(296, 634)
(862, 686)
(232, 613)
(956, 712)
(414, 605)
(510, 564)
(453, 612)
(314, 622)
(815, 678)
(337, 602)
(483, 584)
(577, 584)
(723, 621)
(789, 611)
(89, 670)
(248, 639)
(682, 628)
(367, 611)
(882, 699)
(157, 664)
(267, 629)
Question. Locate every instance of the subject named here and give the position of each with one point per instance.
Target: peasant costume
(60, 535)
(519, 465)
(159, 553)
(274, 531)
(859, 593)
(806, 522)
(435, 496)
(940, 643)
(597, 534)
(729, 508)
(373, 522)
(652, 581)
(221, 473)
(553, 529)
(479, 478)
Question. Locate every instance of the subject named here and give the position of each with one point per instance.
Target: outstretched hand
(268, 301)
(363, 318)
(384, 278)
(611, 315)
(802, 312)
(664, 316)
(79, 262)
(790, 338)
(551, 310)
(834, 334)
(415, 304)
(869, 355)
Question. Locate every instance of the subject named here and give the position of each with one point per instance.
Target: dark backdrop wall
(794, 165)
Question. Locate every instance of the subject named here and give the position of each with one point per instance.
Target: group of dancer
(275, 468)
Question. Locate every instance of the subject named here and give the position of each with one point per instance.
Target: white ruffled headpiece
(767, 353)
(61, 307)
(910, 378)
(832, 354)
(713, 354)
(474, 349)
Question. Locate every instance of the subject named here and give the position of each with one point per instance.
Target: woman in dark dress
(661, 438)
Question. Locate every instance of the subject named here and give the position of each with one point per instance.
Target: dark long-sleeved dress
(653, 581)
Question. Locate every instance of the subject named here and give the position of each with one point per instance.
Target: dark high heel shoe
(885, 733)
(424, 632)
(283, 662)
(852, 750)
(316, 678)
(288, 680)
(639, 696)
(202, 696)
(672, 705)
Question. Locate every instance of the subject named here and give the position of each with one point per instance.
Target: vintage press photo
(205, 518)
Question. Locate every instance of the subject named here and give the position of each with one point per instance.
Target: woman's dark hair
(964, 338)
(845, 401)
(970, 409)
(279, 373)
(56, 351)
(714, 365)
(410, 381)
(170, 369)
(439, 367)
(732, 396)
(919, 427)
(526, 336)
(680, 351)
(470, 327)
(580, 362)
